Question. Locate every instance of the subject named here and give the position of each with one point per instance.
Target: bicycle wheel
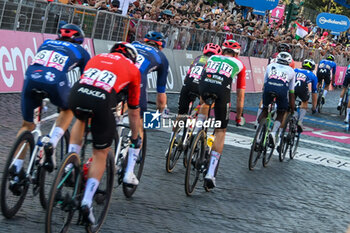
(285, 138)
(174, 151)
(46, 178)
(65, 195)
(257, 145)
(14, 190)
(194, 162)
(130, 189)
(342, 106)
(295, 143)
(319, 102)
(103, 195)
(268, 150)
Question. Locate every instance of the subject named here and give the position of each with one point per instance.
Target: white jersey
(284, 73)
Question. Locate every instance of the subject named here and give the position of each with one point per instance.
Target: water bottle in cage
(86, 168)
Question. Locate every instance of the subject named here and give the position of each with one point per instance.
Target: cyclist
(305, 80)
(151, 58)
(192, 79)
(48, 72)
(105, 76)
(283, 47)
(346, 83)
(219, 72)
(279, 79)
(326, 70)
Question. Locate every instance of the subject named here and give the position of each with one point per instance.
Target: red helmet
(232, 45)
(212, 48)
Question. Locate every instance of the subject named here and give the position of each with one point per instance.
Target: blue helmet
(156, 37)
(71, 32)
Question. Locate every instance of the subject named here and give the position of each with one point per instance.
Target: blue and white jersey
(150, 59)
(303, 76)
(280, 76)
(328, 65)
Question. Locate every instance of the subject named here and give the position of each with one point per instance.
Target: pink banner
(258, 71)
(249, 77)
(16, 53)
(340, 75)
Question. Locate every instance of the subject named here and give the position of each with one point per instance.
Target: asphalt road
(307, 194)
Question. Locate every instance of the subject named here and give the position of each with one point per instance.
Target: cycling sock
(276, 126)
(19, 164)
(325, 93)
(214, 159)
(302, 114)
(200, 118)
(56, 135)
(90, 189)
(340, 101)
(74, 148)
(133, 155)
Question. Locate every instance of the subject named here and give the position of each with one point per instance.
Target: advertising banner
(340, 75)
(258, 71)
(333, 22)
(277, 13)
(262, 5)
(16, 53)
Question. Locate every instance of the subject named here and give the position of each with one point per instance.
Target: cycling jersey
(48, 72)
(217, 78)
(191, 83)
(346, 81)
(325, 70)
(279, 79)
(302, 79)
(150, 59)
(105, 76)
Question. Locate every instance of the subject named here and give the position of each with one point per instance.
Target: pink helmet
(212, 48)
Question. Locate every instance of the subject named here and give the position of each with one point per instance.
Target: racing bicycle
(29, 146)
(68, 188)
(344, 101)
(320, 99)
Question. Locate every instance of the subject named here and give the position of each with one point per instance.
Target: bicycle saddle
(83, 113)
(273, 94)
(39, 94)
(209, 98)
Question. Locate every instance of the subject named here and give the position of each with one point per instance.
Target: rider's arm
(161, 83)
(133, 103)
(314, 90)
(241, 85)
(291, 91)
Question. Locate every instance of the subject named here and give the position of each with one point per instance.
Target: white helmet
(284, 58)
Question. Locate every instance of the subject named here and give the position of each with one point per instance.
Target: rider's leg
(341, 95)
(62, 123)
(76, 136)
(303, 109)
(347, 113)
(218, 146)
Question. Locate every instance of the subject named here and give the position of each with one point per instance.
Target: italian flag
(301, 31)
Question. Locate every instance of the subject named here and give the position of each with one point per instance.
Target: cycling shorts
(187, 90)
(281, 91)
(324, 74)
(346, 79)
(38, 77)
(222, 103)
(302, 92)
(102, 104)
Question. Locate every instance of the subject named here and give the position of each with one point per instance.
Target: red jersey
(113, 71)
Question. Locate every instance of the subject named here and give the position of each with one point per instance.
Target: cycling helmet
(212, 48)
(231, 45)
(73, 32)
(125, 48)
(309, 64)
(283, 48)
(156, 37)
(284, 58)
(330, 57)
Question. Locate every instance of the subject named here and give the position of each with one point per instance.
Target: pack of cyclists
(125, 68)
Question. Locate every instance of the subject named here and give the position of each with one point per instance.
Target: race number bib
(139, 60)
(226, 70)
(50, 58)
(103, 79)
(212, 66)
(196, 72)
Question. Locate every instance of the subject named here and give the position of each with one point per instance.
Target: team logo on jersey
(36, 76)
(50, 76)
(151, 120)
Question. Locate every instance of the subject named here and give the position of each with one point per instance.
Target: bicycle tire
(129, 190)
(268, 151)
(342, 106)
(285, 139)
(261, 130)
(44, 182)
(174, 153)
(295, 147)
(7, 211)
(57, 201)
(193, 162)
(103, 195)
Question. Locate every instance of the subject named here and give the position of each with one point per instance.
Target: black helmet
(125, 48)
(309, 64)
(330, 57)
(73, 32)
(283, 48)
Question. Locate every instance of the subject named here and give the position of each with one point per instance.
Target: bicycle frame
(269, 120)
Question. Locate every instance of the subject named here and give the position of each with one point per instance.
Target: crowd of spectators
(227, 19)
